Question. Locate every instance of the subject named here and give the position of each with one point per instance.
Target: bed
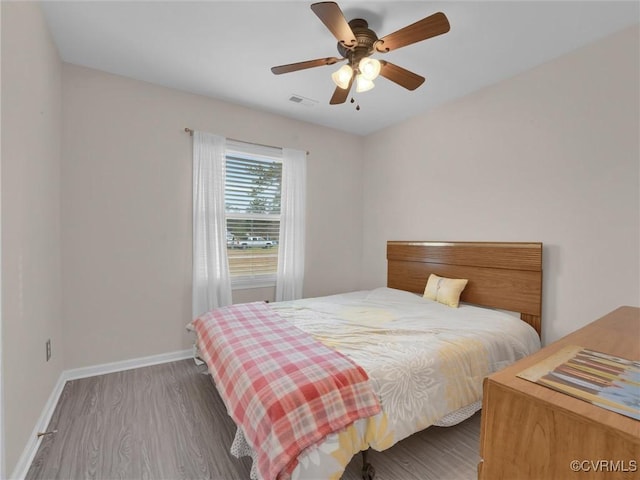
(421, 362)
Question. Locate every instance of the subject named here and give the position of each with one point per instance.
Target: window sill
(253, 283)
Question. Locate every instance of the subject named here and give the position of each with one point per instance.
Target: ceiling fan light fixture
(369, 68)
(342, 76)
(363, 84)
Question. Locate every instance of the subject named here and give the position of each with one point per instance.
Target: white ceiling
(226, 49)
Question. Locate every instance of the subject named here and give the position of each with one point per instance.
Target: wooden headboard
(505, 275)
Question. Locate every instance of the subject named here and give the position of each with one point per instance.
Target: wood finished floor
(168, 422)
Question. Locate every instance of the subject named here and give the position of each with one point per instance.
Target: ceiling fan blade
(401, 76)
(294, 67)
(340, 94)
(333, 18)
(428, 27)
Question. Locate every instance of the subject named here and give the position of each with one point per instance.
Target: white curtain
(292, 213)
(211, 283)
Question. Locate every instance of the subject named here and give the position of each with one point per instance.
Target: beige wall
(31, 280)
(126, 210)
(551, 155)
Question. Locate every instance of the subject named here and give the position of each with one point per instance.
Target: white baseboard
(30, 449)
(29, 452)
(84, 372)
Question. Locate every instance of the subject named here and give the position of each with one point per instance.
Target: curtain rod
(190, 132)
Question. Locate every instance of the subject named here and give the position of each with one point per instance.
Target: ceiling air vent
(300, 100)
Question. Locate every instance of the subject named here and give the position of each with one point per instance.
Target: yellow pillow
(445, 290)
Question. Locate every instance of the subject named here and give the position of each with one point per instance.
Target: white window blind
(252, 205)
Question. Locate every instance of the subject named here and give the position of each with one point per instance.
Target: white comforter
(425, 360)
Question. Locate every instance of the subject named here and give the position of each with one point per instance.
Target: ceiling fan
(357, 42)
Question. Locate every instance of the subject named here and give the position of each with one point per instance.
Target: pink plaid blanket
(286, 390)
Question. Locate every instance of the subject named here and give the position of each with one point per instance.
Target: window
(252, 207)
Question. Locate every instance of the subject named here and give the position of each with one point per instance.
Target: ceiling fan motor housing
(365, 42)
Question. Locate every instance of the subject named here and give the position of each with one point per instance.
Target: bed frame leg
(368, 472)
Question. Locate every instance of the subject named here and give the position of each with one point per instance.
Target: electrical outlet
(48, 347)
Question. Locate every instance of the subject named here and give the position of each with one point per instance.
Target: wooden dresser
(533, 432)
